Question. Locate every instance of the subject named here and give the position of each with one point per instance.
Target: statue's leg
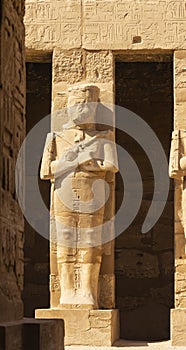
(79, 259)
(66, 258)
(89, 284)
(66, 270)
(89, 257)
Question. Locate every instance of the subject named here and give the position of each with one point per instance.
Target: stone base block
(178, 327)
(29, 334)
(86, 327)
(11, 335)
(43, 334)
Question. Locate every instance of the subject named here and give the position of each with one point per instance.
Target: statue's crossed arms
(96, 154)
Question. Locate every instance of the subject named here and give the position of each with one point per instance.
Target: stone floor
(131, 345)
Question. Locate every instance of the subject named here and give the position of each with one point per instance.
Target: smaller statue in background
(177, 168)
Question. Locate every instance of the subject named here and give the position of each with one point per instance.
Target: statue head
(82, 104)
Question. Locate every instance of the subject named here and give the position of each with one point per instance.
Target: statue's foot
(86, 298)
(76, 306)
(80, 301)
(67, 298)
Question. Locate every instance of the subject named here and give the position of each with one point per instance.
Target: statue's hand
(53, 166)
(90, 165)
(84, 157)
(107, 166)
(71, 155)
(61, 166)
(183, 163)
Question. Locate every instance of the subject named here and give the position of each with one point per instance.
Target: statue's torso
(73, 137)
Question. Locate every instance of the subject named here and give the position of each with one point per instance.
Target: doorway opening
(144, 263)
(36, 247)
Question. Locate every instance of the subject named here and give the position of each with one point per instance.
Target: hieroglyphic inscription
(105, 24)
(115, 24)
(49, 23)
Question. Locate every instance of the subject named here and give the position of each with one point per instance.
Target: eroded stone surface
(178, 327)
(12, 131)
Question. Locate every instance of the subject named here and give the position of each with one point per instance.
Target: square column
(76, 67)
(178, 315)
(82, 325)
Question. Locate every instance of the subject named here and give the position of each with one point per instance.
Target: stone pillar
(84, 67)
(15, 332)
(178, 315)
(12, 133)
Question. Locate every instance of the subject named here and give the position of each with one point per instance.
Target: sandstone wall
(178, 315)
(84, 36)
(105, 24)
(179, 123)
(12, 125)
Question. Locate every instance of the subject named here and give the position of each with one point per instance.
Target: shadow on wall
(36, 248)
(124, 343)
(144, 263)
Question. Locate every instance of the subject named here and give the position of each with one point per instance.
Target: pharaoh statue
(76, 160)
(177, 169)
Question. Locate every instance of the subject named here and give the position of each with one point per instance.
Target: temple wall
(15, 332)
(180, 123)
(179, 313)
(117, 24)
(12, 106)
(85, 37)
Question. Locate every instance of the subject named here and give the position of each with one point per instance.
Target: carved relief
(176, 10)
(12, 131)
(161, 23)
(105, 24)
(52, 22)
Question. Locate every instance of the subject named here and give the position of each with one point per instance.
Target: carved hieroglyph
(77, 159)
(12, 133)
(50, 23)
(125, 24)
(105, 24)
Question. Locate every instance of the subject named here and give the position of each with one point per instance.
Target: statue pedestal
(86, 327)
(30, 334)
(178, 327)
